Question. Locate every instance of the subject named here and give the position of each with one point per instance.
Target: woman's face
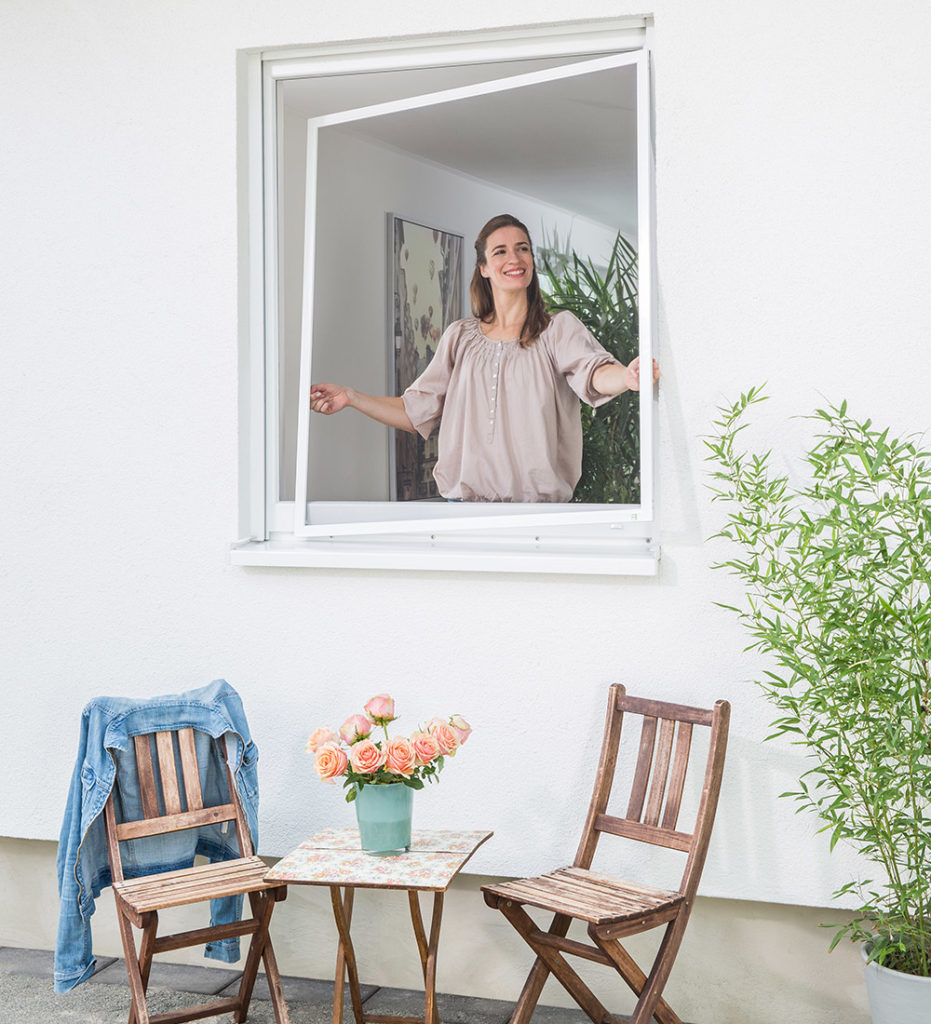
(508, 260)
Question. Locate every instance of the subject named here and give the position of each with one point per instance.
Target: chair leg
(662, 965)
(555, 964)
(650, 1003)
(261, 904)
(138, 1011)
(530, 993)
(146, 952)
(536, 979)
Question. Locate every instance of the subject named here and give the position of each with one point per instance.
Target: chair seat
(191, 885)
(590, 896)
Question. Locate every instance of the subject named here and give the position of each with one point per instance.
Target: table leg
(428, 950)
(345, 958)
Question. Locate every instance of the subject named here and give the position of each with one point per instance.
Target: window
(554, 127)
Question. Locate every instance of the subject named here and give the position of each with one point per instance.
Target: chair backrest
(658, 783)
(171, 794)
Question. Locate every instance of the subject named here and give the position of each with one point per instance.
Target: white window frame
(587, 539)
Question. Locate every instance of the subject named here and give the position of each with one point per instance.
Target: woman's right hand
(328, 398)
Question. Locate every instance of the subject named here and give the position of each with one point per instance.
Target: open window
(555, 130)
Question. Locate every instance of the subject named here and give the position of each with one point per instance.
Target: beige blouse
(510, 428)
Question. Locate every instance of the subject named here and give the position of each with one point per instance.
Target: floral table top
(335, 857)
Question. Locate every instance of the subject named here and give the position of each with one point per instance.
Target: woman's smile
(508, 259)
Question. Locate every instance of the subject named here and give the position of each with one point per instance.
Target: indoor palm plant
(605, 300)
(837, 573)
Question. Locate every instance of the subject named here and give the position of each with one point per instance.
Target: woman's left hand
(632, 376)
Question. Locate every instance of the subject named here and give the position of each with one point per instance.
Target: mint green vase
(384, 815)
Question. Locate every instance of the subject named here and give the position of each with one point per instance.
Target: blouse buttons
(494, 390)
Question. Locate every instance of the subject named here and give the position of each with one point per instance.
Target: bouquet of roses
(360, 760)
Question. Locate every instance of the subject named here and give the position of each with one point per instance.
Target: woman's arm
(331, 398)
(613, 378)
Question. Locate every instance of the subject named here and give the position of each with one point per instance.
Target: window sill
(624, 557)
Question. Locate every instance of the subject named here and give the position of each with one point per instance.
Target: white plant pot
(897, 998)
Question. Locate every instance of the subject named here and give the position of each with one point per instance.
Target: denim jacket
(108, 725)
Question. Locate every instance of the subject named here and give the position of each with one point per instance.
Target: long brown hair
(483, 300)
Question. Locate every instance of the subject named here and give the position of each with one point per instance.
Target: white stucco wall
(792, 226)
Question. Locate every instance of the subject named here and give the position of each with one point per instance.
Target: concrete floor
(26, 996)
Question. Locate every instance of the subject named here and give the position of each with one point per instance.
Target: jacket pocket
(88, 788)
(249, 771)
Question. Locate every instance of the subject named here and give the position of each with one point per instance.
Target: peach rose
(425, 747)
(446, 737)
(366, 758)
(330, 761)
(380, 709)
(461, 727)
(399, 756)
(318, 737)
(355, 728)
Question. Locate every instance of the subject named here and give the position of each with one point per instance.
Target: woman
(507, 383)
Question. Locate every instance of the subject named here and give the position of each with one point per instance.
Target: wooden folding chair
(172, 799)
(611, 908)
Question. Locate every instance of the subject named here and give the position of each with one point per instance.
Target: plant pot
(896, 998)
(384, 816)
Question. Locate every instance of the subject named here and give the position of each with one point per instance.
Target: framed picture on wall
(425, 296)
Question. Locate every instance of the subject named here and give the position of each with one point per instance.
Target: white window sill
(625, 557)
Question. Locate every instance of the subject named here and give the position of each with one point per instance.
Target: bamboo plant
(606, 303)
(837, 574)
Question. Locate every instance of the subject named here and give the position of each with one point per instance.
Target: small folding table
(334, 858)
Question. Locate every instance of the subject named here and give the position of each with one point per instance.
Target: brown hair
(483, 301)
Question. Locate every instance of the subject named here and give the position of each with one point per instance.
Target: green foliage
(837, 575)
(606, 302)
(354, 781)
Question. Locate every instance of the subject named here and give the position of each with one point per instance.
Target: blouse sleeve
(577, 355)
(424, 399)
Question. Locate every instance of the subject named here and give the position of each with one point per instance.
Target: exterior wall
(792, 226)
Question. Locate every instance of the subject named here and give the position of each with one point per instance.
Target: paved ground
(26, 996)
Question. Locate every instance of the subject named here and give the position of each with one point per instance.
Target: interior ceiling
(570, 143)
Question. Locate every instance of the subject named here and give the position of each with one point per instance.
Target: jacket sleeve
(74, 960)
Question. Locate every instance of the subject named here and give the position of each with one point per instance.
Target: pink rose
(461, 727)
(330, 761)
(355, 728)
(426, 748)
(380, 709)
(318, 737)
(365, 757)
(399, 756)
(446, 738)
